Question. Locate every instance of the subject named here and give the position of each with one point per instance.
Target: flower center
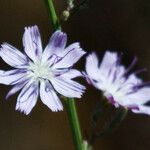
(40, 71)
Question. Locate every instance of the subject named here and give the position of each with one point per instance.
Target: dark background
(121, 25)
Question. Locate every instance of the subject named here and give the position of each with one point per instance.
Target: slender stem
(69, 102)
(74, 123)
(111, 126)
(53, 16)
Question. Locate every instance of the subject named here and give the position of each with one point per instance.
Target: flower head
(39, 72)
(119, 86)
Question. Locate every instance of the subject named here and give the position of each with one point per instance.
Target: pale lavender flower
(39, 72)
(119, 86)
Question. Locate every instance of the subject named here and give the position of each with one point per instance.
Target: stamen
(131, 65)
(140, 71)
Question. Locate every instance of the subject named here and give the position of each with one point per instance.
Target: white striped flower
(42, 72)
(117, 84)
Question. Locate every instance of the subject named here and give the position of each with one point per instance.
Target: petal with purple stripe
(16, 88)
(140, 97)
(12, 56)
(69, 59)
(27, 98)
(68, 87)
(56, 45)
(49, 97)
(91, 67)
(12, 77)
(68, 49)
(32, 43)
(109, 62)
(142, 110)
(72, 73)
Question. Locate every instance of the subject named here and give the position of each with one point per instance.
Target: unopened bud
(71, 5)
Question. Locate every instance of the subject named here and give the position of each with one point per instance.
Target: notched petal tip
(57, 109)
(32, 43)
(56, 45)
(22, 110)
(92, 58)
(12, 56)
(58, 39)
(92, 66)
(31, 27)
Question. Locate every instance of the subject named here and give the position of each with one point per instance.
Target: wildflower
(119, 86)
(39, 72)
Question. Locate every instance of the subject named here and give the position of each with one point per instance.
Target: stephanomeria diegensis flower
(119, 86)
(39, 72)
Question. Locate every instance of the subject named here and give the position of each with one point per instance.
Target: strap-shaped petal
(72, 73)
(49, 97)
(142, 110)
(68, 87)
(12, 77)
(13, 56)
(32, 43)
(69, 59)
(109, 60)
(56, 45)
(27, 98)
(92, 67)
(16, 88)
(140, 97)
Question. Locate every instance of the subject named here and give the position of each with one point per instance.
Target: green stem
(70, 103)
(53, 16)
(111, 126)
(74, 123)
